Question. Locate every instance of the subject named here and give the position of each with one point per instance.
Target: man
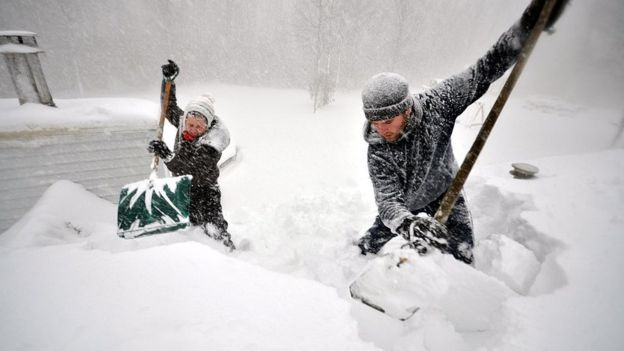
(410, 159)
(202, 137)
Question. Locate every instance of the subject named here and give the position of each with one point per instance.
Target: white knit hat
(203, 104)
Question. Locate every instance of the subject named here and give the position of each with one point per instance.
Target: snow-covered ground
(547, 258)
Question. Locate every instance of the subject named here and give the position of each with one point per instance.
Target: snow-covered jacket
(419, 167)
(199, 157)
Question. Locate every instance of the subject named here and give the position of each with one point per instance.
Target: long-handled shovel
(155, 205)
(397, 306)
(471, 157)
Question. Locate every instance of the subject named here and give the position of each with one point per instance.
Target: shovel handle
(161, 122)
(471, 157)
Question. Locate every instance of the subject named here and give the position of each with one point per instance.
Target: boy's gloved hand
(170, 70)
(160, 149)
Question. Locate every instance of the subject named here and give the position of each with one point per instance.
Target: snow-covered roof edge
(17, 33)
(79, 113)
(18, 49)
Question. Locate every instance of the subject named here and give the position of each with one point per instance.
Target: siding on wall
(101, 159)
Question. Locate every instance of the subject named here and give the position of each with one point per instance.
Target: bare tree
(322, 23)
(403, 11)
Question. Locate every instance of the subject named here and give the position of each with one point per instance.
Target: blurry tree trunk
(619, 133)
(315, 88)
(323, 86)
(322, 23)
(402, 8)
(71, 24)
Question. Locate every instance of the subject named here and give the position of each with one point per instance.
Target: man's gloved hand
(555, 14)
(464, 253)
(423, 231)
(170, 70)
(533, 11)
(159, 148)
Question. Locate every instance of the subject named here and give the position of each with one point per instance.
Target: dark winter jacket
(199, 157)
(416, 169)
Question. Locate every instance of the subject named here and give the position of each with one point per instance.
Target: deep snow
(547, 256)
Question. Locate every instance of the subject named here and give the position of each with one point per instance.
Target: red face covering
(187, 136)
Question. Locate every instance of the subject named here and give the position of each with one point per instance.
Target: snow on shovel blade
(381, 287)
(154, 206)
(402, 282)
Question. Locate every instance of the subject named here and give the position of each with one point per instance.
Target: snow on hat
(203, 104)
(386, 95)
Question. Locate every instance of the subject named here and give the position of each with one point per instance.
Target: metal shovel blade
(385, 285)
(154, 206)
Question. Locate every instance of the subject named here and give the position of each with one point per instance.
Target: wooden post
(20, 51)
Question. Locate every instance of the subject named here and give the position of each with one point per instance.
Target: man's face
(195, 126)
(390, 129)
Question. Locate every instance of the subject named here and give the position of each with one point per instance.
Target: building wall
(101, 159)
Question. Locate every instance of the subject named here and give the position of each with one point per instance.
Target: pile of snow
(187, 295)
(507, 260)
(403, 283)
(547, 259)
(65, 213)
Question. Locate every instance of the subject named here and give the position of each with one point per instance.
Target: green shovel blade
(154, 206)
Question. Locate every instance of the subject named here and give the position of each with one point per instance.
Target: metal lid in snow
(18, 49)
(523, 170)
(16, 33)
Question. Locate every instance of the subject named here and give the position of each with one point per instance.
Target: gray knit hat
(386, 95)
(203, 104)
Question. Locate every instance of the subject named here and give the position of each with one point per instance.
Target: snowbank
(546, 274)
(187, 296)
(574, 302)
(65, 213)
(184, 296)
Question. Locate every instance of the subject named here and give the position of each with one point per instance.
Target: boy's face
(390, 129)
(195, 126)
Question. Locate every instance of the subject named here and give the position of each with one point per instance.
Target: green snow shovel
(379, 286)
(155, 205)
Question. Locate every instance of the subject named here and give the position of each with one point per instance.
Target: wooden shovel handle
(458, 183)
(161, 122)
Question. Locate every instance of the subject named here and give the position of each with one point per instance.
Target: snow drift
(547, 256)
